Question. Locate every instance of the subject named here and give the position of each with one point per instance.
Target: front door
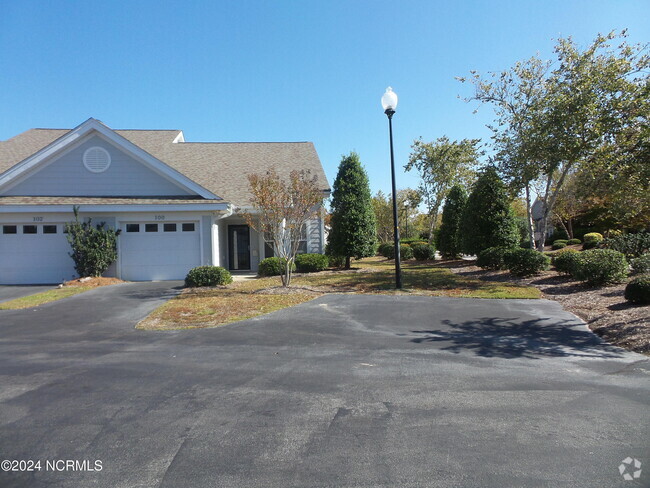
(239, 241)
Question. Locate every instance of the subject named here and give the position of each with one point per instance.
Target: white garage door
(152, 251)
(34, 254)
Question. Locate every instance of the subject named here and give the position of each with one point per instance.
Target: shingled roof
(220, 167)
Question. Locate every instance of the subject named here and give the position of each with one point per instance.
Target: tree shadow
(512, 338)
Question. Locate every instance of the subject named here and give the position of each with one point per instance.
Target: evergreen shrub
(207, 276)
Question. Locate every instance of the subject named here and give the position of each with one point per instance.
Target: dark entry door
(239, 241)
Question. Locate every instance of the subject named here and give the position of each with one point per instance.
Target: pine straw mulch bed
(92, 282)
(605, 309)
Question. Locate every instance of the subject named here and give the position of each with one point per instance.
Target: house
(178, 204)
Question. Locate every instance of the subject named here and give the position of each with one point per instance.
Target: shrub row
(632, 245)
(419, 250)
(520, 262)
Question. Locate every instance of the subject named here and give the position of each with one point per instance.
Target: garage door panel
(32, 256)
(158, 255)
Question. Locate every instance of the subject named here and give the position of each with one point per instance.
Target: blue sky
(280, 70)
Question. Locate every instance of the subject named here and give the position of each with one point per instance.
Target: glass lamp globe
(389, 100)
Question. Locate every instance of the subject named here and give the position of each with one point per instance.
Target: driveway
(342, 391)
(10, 292)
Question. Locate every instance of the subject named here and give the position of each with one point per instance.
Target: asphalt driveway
(10, 292)
(342, 391)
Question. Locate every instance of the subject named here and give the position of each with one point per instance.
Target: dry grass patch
(43, 297)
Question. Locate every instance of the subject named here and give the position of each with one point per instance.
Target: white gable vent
(96, 159)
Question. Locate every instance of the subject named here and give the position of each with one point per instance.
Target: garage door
(158, 251)
(34, 254)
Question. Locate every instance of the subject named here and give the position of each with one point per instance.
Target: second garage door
(151, 251)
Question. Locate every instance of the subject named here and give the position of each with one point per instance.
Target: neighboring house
(178, 204)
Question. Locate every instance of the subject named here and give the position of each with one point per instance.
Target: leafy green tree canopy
(449, 243)
(353, 228)
(488, 220)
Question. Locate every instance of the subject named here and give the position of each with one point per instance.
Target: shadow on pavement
(512, 338)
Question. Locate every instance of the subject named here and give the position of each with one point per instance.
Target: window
(151, 227)
(29, 229)
(9, 229)
(49, 229)
(302, 244)
(133, 227)
(188, 227)
(169, 227)
(269, 251)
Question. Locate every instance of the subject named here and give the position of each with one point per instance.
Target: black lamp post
(389, 103)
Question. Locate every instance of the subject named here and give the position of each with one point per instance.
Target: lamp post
(389, 103)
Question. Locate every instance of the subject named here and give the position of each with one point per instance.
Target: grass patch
(210, 307)
(43, 297)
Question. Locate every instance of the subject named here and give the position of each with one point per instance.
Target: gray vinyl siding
(68, 176)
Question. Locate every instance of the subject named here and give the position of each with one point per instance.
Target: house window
(9, 229)
(133, 227)
(151, 227)
(169, 227)
(269, 251)
(188, 227)
(268, 245)
(49, 229)
(29, 229)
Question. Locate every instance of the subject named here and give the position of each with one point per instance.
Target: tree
(353, 231)
(442, 164)
(281, 209)
(487, 219)
(408, 200)
(590, 111)
(94, 248)
(383, 209)
(449, 243)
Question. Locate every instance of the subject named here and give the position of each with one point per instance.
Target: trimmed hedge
(638, 290)
(273, 267)
(591, 240)
(311, 263)
(641, 265)
(423, 252)
(632, 245)
(557, 245)
(493, 258)
(601, 266)
(405, 251)
(526, 262)
(572, 242)
(566, 261)
(207, 276)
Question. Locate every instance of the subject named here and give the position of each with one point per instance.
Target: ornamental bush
(591, 240)
(448, 238)
(641, 265)
(423, 252)
(601, 266)
(207, 276)
(558, 245)
(405, 251)
(526, 262)
(638, 290)
(311, 263)
(632, 245)
(94, 247)
(273, 266)
(565, 261)
(493, 258)
(572, 242)
(384, 248)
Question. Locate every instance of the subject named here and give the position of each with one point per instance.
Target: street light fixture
(389, 104)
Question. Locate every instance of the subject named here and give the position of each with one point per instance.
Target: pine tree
(353, 230)
(488, 220)
(449, 243)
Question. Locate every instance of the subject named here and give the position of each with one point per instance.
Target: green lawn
(43, 297)
(198, 308)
